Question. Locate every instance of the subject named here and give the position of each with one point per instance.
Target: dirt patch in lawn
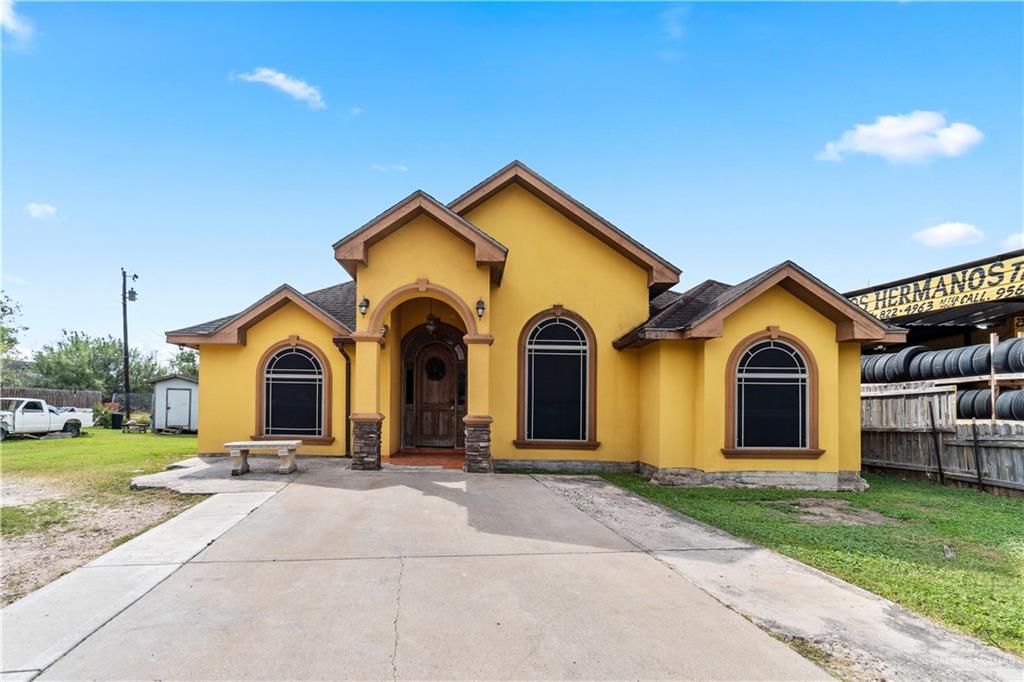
(86, 529)
(827, 510)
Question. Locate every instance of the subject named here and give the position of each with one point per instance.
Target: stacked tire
(917, 363)
(977, 404)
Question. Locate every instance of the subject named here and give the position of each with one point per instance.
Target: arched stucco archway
(422, 289)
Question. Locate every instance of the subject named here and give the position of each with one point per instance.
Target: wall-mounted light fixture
(480, 307)
(364, 305)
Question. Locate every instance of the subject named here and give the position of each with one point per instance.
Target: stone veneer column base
(478, 444)
(366, 441)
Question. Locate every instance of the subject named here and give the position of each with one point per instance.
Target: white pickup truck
(29, 416)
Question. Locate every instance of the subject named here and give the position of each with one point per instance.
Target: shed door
(179, 408)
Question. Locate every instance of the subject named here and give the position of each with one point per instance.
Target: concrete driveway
(395, 575)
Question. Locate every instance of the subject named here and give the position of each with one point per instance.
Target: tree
(80, 361)
(185, 361)
(10, 311)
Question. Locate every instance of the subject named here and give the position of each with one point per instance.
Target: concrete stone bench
(239, 451)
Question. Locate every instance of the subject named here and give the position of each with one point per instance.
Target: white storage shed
(175, 403)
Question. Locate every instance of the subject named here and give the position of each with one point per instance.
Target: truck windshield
(9, 404)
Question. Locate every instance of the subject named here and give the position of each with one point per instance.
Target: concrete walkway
(385, 575)
(859, 634)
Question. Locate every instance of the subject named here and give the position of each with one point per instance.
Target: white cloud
(397, 167)
(1014, 241)
(40, 211)
(355, 111)
(949, 234)
(672, 26)
(12, 22)
(917, 136)
(291, 86)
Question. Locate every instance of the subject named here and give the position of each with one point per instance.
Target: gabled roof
(661, 274)
(352, 249)
(335, 306)
(699, 313)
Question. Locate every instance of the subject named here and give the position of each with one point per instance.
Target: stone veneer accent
(366, 445)
(478, 444)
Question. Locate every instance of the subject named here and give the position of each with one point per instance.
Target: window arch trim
(591, 442)
(731, 451)
(259, 433)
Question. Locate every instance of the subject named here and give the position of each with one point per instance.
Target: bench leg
(239, 462)
(287, 461)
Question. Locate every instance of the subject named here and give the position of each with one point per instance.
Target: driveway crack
(398, 613)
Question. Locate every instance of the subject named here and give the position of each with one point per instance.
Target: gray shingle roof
(707, 298)
(338, 301)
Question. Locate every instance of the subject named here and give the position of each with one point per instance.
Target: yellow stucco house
(518, 328)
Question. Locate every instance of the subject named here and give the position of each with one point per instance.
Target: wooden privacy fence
(59, 397)
(912, 427)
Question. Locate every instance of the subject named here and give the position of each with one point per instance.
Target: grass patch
(980, 592)
(102, 463)
(34, 518)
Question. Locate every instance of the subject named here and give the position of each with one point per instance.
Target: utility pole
(126, 295)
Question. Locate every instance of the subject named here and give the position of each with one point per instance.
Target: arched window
(293, 394)
(557, 380)
(772, 407)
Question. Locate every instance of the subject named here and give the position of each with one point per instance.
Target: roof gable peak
(352, 249)
(662, 274)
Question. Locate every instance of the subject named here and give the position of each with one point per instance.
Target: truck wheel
(74, 429)
(3, 435)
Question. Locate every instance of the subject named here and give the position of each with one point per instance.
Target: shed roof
(185, 377)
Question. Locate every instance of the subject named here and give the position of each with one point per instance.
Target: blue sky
(144, 135)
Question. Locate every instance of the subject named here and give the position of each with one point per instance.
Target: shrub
(101, 416)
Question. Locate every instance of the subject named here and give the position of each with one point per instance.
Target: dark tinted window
(771, 396)
(293, 399)
(557, 357)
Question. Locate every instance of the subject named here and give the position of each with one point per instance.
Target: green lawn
(95, 469)
(103, 460)
(980, 591)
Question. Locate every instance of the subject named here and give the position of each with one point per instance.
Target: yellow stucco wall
(663, 404)
(690, 391)
(227, 384)
(554, 261)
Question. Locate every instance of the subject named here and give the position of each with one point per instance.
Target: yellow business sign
(978, 282)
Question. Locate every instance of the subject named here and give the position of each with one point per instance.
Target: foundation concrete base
(580, 466)
(798, 480)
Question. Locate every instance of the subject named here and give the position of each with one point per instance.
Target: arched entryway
(433, 386)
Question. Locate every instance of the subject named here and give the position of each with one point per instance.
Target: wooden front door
(434, 409)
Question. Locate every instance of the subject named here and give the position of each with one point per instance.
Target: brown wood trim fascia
(306, 440)
(366, 417)
(557, 311)
(772, 453)
(861, 325)
(351, 251)
(478, 338)
(233, 332)
(293, 342)
(556, 444)
(772, 332)
(661, 274)
(479, 419)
